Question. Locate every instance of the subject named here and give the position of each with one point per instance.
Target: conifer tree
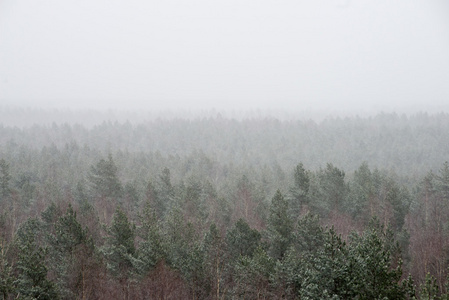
(332, 187)
(104, 180)
(6, 271)
(299, 191)
(164, 193)
(241, 240)
(5, 177)
(214, 255)
(152, 248)
(119, 249)
(253, 276)
(280, 226)
(32, 281)
(376, 264)
(70, 249)
(442, 181)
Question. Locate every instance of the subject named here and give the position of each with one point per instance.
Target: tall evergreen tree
(70, 249)
(252, 276)
(300, 190)
(119, 249)
(361, 192)
(103, 178)
(442, 181)
(5, 177)
(214, 257)
(241, 240)
(165, 192)
(280, 226)
(375, 264)
(6, 271)
(152, 248)
(333, 188)
(32, 281)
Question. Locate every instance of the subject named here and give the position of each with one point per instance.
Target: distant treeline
(407, 145)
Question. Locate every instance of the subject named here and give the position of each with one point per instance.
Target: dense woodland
(222, 208)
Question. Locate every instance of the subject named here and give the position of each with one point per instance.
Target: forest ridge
(219, 208)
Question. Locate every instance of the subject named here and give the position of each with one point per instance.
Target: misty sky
(205, 54)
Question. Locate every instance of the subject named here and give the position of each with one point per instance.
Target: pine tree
(164, 193)
(32, 281)
(241, 240)
(152, 248)
(442, 182)
(429, 289)
(280, 226)
(214, 256)
(252, 276)
(70, 249)
(332, 187)
(362, 191)
(103, 178)
(315, 267)
(5, 177)
(300, 190)
(376, 264)
(119, 249)
(6, 271)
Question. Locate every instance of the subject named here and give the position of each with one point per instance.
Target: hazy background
(287, 55)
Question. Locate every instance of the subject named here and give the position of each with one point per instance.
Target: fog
(286, 55)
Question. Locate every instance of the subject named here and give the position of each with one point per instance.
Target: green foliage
(165, 192)
(152, 248)
(429, 289)
(5, 177)
(69, 248)
(299, 191)
(50, 214)
(69, 232)
(214, 251)
(280, 226)
(332, 188)
(316, 266)
(320, 265)
(376, 264)
(442, 181)
(253, 276)
(241, 240)
(193, 201)
(6, 271)
(309, 235)
(131, 196)
(32, 281)
(362, 191)
(119, 249)
(103, 179)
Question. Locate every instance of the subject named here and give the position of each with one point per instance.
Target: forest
(226, 208)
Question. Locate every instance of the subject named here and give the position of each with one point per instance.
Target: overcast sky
(204, 54)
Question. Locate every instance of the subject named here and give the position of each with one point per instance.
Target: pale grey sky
(204, 54)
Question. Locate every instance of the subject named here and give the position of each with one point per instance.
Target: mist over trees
(222, 208)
